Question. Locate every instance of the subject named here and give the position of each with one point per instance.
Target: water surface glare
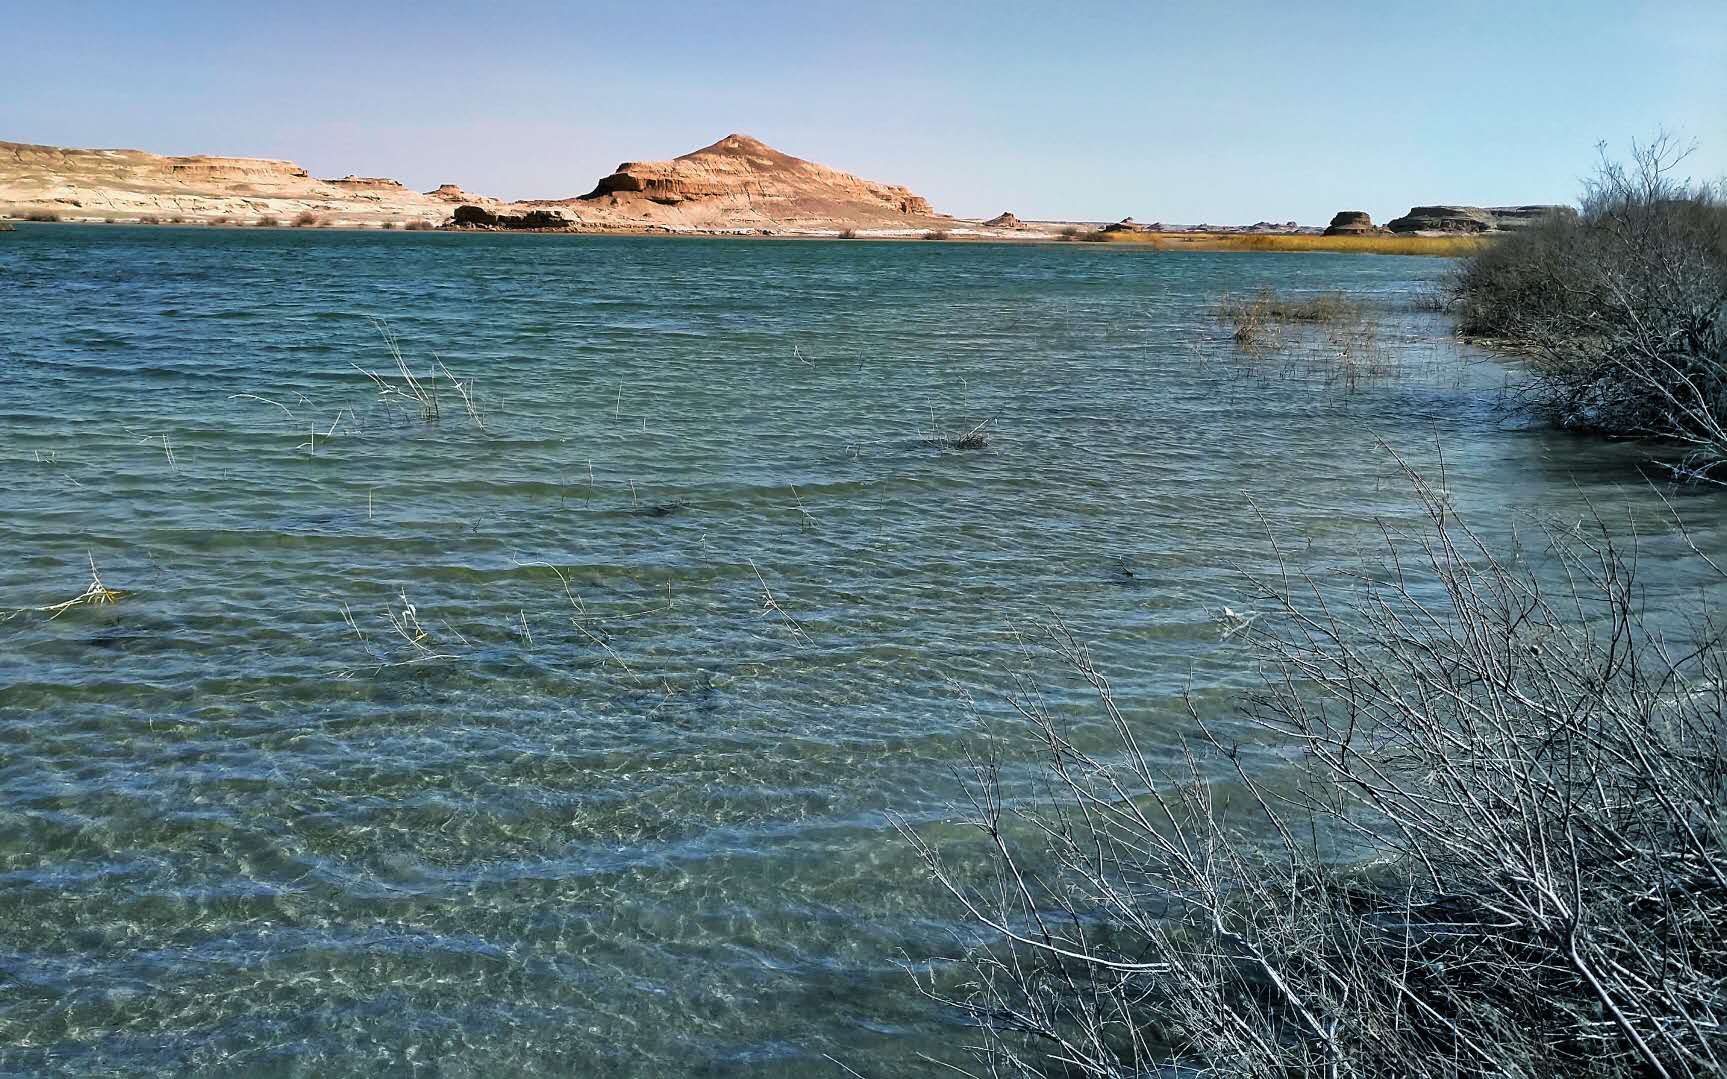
(475, 746)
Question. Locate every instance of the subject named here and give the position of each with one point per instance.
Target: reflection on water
(562, 742)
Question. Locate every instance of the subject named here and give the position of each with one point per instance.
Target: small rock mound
(1351, 223)
(1127, 224)
(455, 193)
(1004, 220)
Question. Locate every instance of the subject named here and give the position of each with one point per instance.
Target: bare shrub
(149, 219)
(967, 437)
(1622, 308)
(1256, 322)
(419, 226)
(1069, 233)
(937, 234)
(388, 225)
(41, 215)
(221, 220)
(176, 220)
(848, 234)
(307, 220)
(1430, 301)
(268, 222)
(1471, 826)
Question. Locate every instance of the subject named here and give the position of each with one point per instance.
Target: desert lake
(564, 732)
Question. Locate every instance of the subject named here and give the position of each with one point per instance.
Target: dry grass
(41, 215)
(96, 594)
(1434, 246)
(1256, 319)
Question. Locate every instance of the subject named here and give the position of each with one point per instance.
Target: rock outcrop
(1471, 219)
(741, 182)
(1005, 220)
(1351, 223)
(1443, 219)
(133, 184)
(478, 217)
(1126, 224)
(737, 185)
(455, 193)
(1509, 218)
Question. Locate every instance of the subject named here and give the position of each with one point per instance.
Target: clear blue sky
(1185, 112)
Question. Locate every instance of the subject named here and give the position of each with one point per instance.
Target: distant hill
(738, 184)
(134, 184)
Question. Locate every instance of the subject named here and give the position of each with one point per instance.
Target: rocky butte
(743, 184)
(1472, 218)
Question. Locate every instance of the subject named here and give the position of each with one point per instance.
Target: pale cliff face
(132, 183)
(737, 184)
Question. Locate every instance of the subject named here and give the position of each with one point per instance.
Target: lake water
(472, 746)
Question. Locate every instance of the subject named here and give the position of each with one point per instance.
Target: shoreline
(1163, 242)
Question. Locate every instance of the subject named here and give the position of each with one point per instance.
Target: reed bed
(1432, 246)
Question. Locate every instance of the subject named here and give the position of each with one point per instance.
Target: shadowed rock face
(1004, 220)
(1351, 223)
(1473, 218)
(742, 181)
(482, 218)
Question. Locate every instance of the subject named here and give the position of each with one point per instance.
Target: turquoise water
(472, 746)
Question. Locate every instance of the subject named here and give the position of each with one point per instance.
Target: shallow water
(472, 746)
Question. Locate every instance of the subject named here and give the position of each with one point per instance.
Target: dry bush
(388, 225)
(419, 226)
(41, 215)
(1623, 308)
(965, 437)
(1069, 233)
(268, 222)
(307, 220)
(1469, 825)
(148, 219)
(937, 234)
(176, 220)
(848, 234)
(224, 220)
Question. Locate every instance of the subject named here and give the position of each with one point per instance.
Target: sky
(1074, 110)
